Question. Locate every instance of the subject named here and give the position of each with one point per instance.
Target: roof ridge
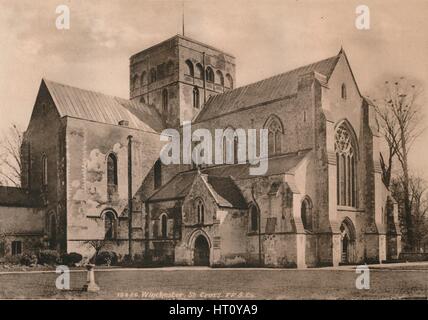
(276, 75)
(243, 89)
(79, 88)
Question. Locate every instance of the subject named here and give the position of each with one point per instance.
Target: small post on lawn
(90, 285)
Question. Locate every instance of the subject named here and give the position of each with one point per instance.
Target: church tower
(178, 76)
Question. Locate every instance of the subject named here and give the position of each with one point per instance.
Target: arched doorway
(201, 252)
(347, 241)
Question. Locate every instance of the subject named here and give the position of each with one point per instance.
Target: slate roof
(273, 88)
(226, 192)
(221, 179)
(95, 106)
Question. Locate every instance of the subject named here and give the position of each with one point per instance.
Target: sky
(266, 37)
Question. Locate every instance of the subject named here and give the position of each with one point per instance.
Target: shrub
(106, 258)
(49, 257)
(28, 259)
(71, 259)
(14, 260)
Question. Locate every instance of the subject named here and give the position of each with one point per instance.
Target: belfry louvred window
(346, 167)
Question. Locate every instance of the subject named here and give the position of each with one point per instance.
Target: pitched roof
(95, 106)
(179, 186)
(276, 87)
(226, 192)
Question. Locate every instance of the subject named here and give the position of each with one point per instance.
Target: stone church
(91, 168)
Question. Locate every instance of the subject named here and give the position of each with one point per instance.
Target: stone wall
(88, 146)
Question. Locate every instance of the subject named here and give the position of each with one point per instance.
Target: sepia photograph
(213, 150)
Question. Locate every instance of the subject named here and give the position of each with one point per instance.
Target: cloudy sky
(267, 37)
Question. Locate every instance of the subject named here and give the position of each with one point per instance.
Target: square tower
(178, 76)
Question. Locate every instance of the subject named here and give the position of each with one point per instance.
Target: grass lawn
(200, 283)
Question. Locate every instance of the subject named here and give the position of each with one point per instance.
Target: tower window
(152, 75)
(199, 71)
(165, 101)
(111, 174)
(170, 68)
(210, 74)
(157, 174)
(196, 98)
(219, 77)
(134, 82)
(45, 170)
(229, 81)
(343, 91)
(143, 79)
(190, 71)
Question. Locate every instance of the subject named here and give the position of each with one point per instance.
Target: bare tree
(10, 157)
(399, 117)
(418, 199)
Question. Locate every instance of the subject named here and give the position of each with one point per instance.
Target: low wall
(414, 256)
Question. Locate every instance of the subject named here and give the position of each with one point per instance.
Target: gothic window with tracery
(275, 131)
(346, 167)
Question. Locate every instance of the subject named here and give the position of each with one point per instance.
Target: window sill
(349, 209)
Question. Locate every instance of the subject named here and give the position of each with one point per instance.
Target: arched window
(111, 174)
(165, 101)
(275, 132)
(196, 98)
(143, 78)
(254, 218)
(164, 226)
(152, 75)
(44, 170)
(109, 226)
(230, 146)
(210, 74)
(142, 100)
(190, 71)
(343, 91)
(229, 81)
(200, 211)
(346, 166)
(134, 82)
(199, 71)
(219, 77)
(306, 214)
(158, 174)
(170, 68)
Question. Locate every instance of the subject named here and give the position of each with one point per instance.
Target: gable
(335, 106)
(44, 110)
